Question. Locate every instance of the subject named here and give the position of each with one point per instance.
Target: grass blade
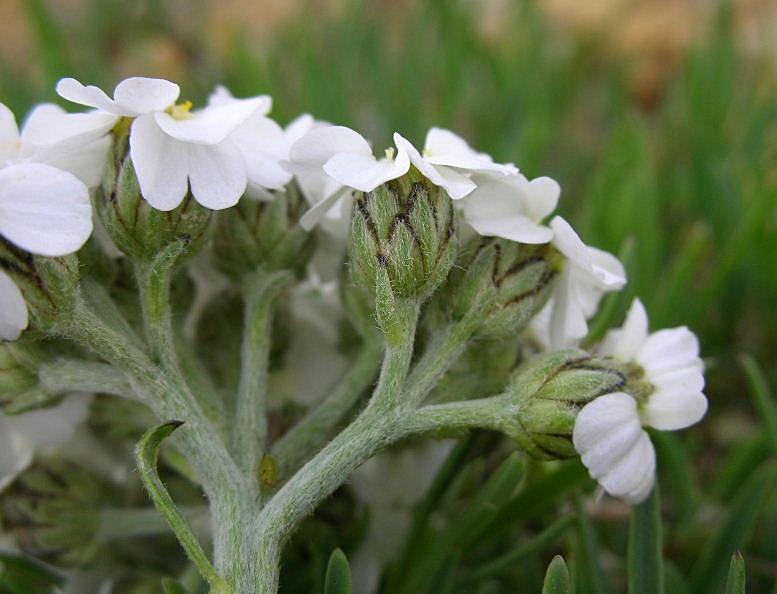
(735, 584)
(710, 569)
(762, 398)
(557, 578)
(338, 574)
(646, 564)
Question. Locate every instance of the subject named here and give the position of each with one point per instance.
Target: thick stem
(118, 523)
(250, 426)
(442, 352)
(74, 375)
(377, 426)
(170, 399)
(372, 430)
(316, 428)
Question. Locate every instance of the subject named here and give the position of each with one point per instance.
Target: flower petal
(568, 323)
(541, 197)
(217, 175)
(90, 96)
(443, 147)
(498, 207)
(669, 410)
(319, 145)
(9, 133)
(627, 340)
(632, 469)
(49, 124)
(319, 210)
(138, 95)
(13, 309)
(364, 172)
(86, 162)
(606, 429)
(568, 242)
(456, 184)
(53, 427)
(15, 452)
(44, 210)
(160, 164)
(669, 350)
(210, 125)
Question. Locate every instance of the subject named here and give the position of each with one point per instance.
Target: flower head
(511, 207)
(346, 157)
(667, 374)
(587, 275)
(45, 169)
(173, 148)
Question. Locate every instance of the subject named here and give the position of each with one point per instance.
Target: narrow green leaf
(492, 497)
(735, 584)
(708, 572)
(589, 574)
(22, 575)
(338, 574)
(535, 545)
(147, 456)
(763, 400)
(171, 586)
(646, 565)
(557, 578)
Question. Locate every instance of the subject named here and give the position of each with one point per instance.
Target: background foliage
(662, 130)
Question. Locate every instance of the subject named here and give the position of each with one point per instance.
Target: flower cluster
(404, 209)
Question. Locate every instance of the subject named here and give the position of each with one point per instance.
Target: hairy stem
(118, 523)
(73, 375)
(250, 426)
(441, 353)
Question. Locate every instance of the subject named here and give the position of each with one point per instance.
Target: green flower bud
(264, 234)
(402, 238)
(52, 510)
(17, 369)
(49, 285)
(514, 281)
(138, 229)
(546, 393)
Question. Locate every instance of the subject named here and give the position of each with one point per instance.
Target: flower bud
(403, 235)
(49, 285)
(264, 234)
(138, 229)
(514, 281)
(17, 370)
(548, 391)
(52, 511)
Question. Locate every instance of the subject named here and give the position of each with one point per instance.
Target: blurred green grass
(683, 187)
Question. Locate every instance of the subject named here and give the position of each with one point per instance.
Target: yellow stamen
(390, 153)
(181, 111)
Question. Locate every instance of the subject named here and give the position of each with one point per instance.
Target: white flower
(262, 143)
(347, 159)
(13, 310)
(172, 148)
(511, 207)
(41, 430)
(609, 431)
(587, 275)
(69, 141)
(44, 211)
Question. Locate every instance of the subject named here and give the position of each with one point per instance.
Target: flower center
(390, 152)
(181, 111)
